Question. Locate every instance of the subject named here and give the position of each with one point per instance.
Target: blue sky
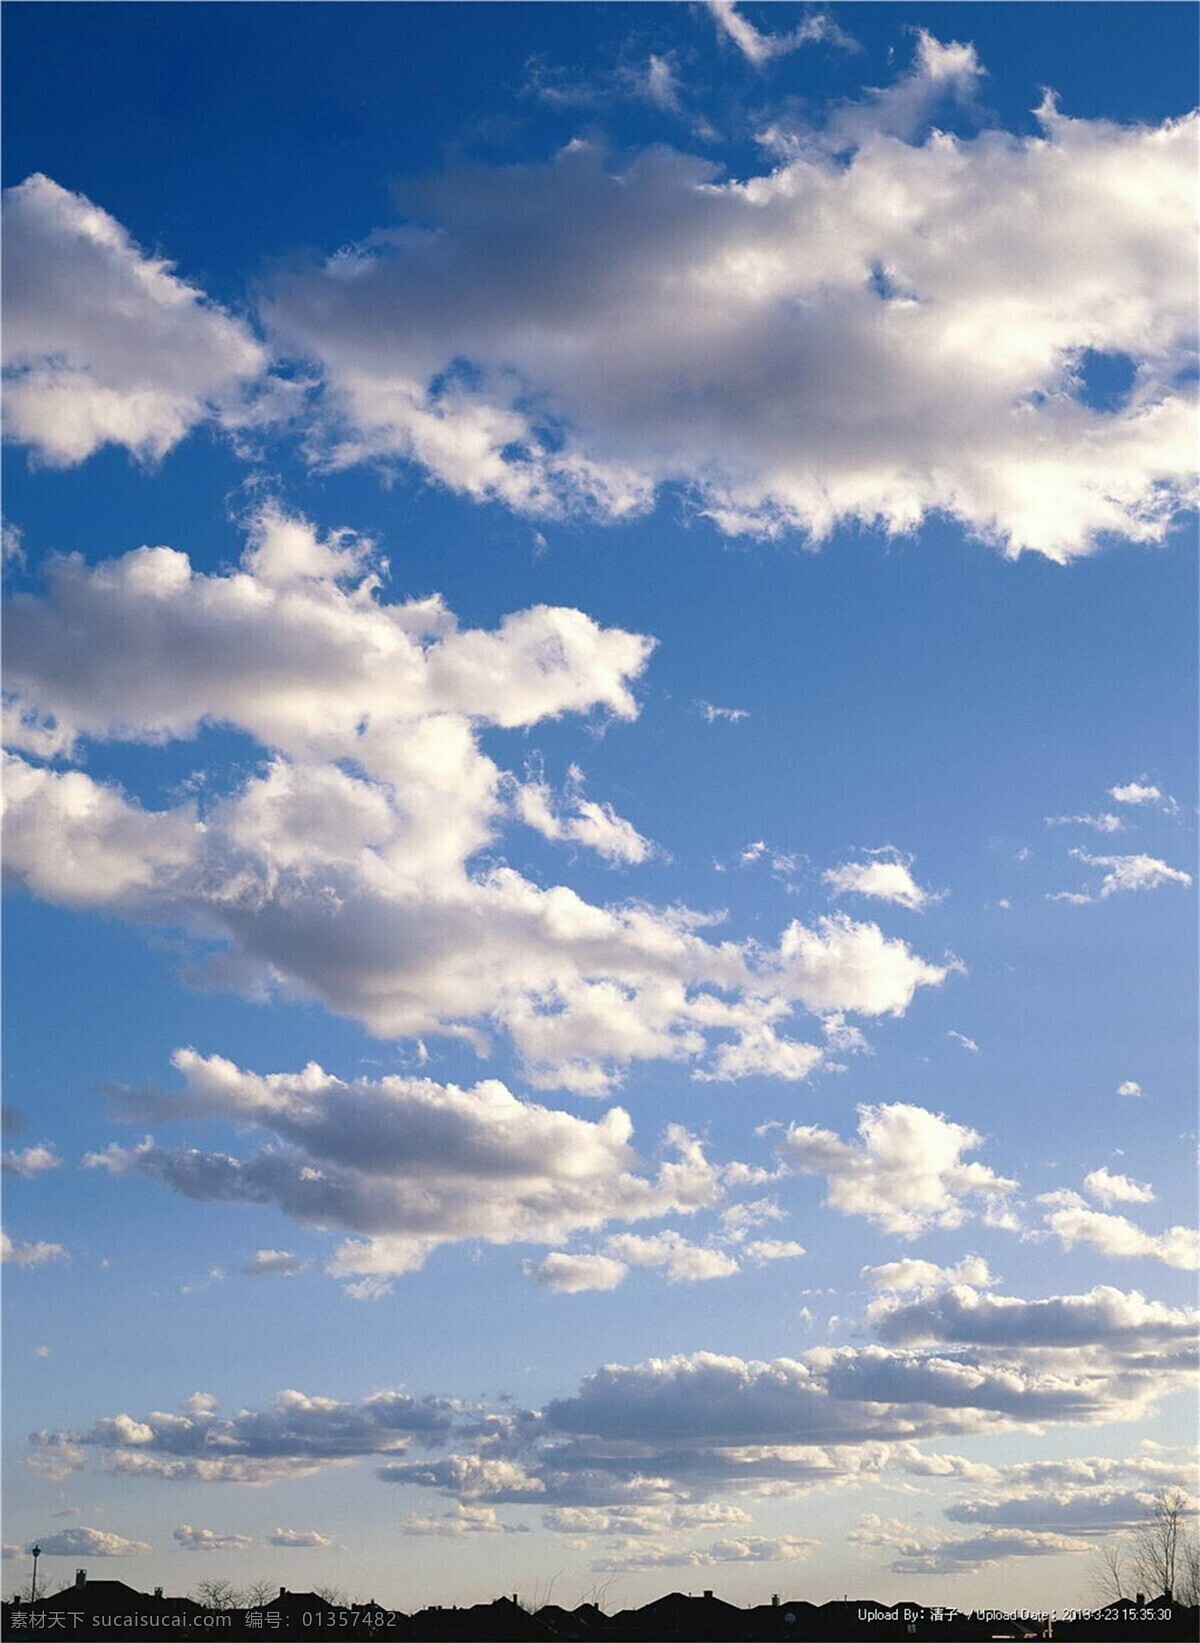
(632, 601)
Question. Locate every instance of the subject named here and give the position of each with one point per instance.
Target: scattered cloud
(1105, 1316)
(885, 322)
(900, 1277)
(1130, 1086)
(1116, 1189)
(1124, 873)
(1072, 1221)
(348, 867)
(298, 1539)
(409, 1163)
(189, 1539)
(276, 1263)
(906, 1171)
(31, 1161)
(961, 1038)
(742, 1549)
(1104, 823)
(759, 49)
(295, 1435)
(725, 715)
(34, 1254)
(84, 1542)
(683, 1262)
(573, 1274)
(104, 344)
(886, 876)
(1143, 792)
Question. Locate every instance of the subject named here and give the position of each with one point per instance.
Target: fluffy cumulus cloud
(1143, 792)
(902, 1277)
(886, 875)
(411, 1164)
(295, 1435)
(13, 1253)
(1105, 1316)
(933, 1553)
(906, 1171)
(104, 344)
(881, 321)
(30, 1161)
(570, 1274)
(1073, 1221)
(348, 867)
(650, 1453)
(83, 1542)
(1108, 1188)
(190, 1539)
(299, 1539)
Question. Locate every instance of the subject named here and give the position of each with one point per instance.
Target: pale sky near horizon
(600, 809)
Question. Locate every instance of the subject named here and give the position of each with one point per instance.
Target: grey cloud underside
(410, 1163)
(349, 868)
(874, 338)
(674, 1431)
(882, 322)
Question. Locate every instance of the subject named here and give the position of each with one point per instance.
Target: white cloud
(906, 1171)
(595, 825)
(348, 866)
(759, 48)
(961, 1038)
(760, 1250)
(573, 1274)
(1124, 873)
(682, 1261)
(278, 1263)
(900, 1277)
(15, 1254)
(31, 1161)
(85, 1542)
(1116, 1189)
(294, 1436)
(885, 322)
(1130, 1086)
(190, 1539)
(742, 1549)
(1072, 1222)
(298, 1539)
(887, 877)
(460, 1520)
(410, 1163)
(1143, 791)
(104, 344)
(727, 715)
(932, 1554)
(1106, 822)
(1105, 1316)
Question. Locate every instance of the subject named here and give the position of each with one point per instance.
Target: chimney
(80, 1577)
(283, 1591)
(515, 1604)
(1140, 1600)
(774, 1600)
(708, 1594)
(158, 1593)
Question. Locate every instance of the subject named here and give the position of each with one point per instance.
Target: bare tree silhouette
(1159, 1557)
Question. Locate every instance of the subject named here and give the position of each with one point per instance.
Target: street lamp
(37, 1552)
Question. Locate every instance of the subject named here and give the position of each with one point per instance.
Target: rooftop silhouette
(103, 1608)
